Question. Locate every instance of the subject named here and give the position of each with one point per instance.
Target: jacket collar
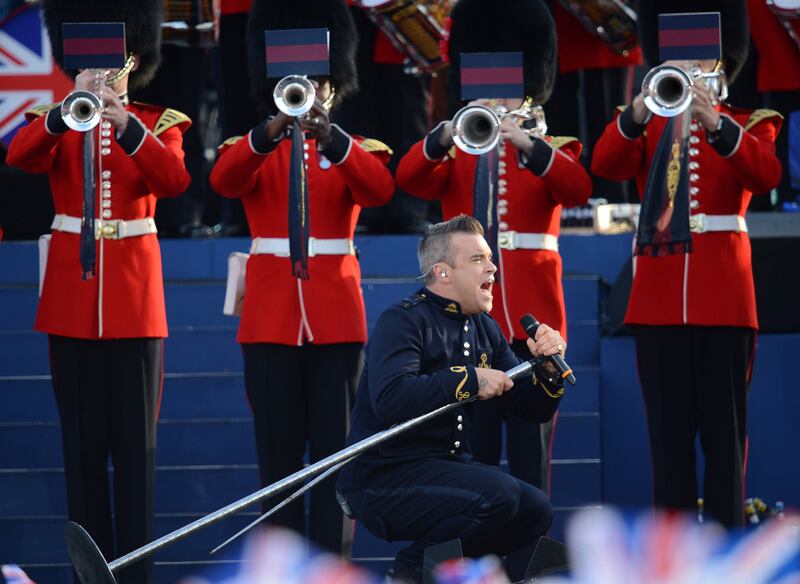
(446, 306)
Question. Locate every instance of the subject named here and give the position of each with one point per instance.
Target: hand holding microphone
(530, 324)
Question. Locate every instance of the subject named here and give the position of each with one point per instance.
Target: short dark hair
(434, 247)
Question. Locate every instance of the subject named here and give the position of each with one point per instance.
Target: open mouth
(486, 287)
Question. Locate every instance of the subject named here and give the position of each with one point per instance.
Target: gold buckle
(697, 223)
(106, 229)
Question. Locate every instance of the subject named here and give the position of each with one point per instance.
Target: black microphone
(530, 324)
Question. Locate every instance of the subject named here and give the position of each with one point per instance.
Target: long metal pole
(296, 478)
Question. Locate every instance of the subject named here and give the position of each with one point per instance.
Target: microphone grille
(528, 321)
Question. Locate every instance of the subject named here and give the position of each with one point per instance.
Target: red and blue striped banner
(94, 45)
(491, 75)
(299, 51)
(683, 37)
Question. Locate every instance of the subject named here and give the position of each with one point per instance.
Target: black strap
(87, 244)
(298, 205)
(484, 197)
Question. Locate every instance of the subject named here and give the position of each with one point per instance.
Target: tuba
(294, 95)
(667, 89)
(476, 128)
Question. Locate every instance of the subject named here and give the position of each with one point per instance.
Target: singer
(437, 347)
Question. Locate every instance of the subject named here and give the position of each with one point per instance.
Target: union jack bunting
(14, 575)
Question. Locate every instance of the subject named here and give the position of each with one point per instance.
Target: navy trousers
(433, 500)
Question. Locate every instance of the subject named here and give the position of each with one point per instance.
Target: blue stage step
(179, 489)
(185, 396)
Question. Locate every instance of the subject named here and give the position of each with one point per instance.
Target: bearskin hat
(142, 20)
(486, 26)
(733, 20)
(287, 14)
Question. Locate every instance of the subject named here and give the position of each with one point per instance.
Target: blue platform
(206, 452)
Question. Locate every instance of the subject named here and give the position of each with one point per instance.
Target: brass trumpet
(667, 90)
(476, 128)
(294, 95)
(81, 110)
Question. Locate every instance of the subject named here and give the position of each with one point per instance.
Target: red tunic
(713, 285)
(234, 6)
(580, 49)
(530, 279)
(126, 297)
(329, 306)
(778, 54)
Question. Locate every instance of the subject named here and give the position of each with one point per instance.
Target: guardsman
(106, 322)
(694, 314)
(537, 175)
(440, 346)
(303, 323)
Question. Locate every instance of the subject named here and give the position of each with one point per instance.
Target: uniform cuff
(541, 159)
(551, 383)
(133, 136)
(260, 142)
(628, 127)
(54, 123)
(432, 147)
(463, 383)
(339, 147)
(726, 140)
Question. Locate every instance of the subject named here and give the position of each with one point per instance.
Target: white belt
(701, 223)
(107, 229)
(514, 240)
(279, 246)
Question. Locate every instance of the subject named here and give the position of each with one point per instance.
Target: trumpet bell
(81, 110)
(476, 129)
(667, 90)
(294, 95)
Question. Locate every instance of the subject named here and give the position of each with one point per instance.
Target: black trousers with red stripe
(108, 394)
(301, 398)
(694, 381)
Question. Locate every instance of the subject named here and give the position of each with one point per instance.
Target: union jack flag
(28, 76)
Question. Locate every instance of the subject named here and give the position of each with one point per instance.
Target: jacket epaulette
(229, 142)
(412, 301)
(760, 115)
(170, 118)
(561, 141)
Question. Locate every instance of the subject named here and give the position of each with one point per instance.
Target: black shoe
(230, 230)
(196, 231)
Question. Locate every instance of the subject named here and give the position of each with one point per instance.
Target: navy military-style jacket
(423, 354)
